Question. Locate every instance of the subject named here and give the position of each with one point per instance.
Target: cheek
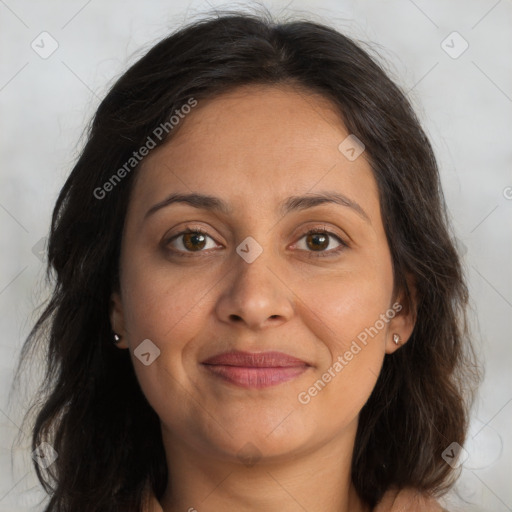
(168, 307)
(344, 306)
(162, 302)
(349, 316)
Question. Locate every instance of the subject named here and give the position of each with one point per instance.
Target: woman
(258, 303)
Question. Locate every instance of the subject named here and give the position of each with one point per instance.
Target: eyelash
(313, 254)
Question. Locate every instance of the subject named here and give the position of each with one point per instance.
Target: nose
(255, 295)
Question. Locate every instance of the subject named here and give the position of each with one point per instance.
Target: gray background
(464, 103)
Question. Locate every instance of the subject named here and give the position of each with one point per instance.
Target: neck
(317, 480)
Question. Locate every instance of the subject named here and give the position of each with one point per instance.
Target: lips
(255, 360)
(255, 369)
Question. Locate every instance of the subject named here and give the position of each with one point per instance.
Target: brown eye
(194, 241)
(190, 241)
(318, 240)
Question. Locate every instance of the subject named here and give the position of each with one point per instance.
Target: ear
(117, 319)
(404, 320)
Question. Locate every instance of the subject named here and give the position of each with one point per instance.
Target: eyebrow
(292, 203)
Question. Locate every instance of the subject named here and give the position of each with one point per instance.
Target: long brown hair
(91, 408)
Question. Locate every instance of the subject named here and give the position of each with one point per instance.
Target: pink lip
(255, 370)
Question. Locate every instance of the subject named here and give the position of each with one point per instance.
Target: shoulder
(149, 501)
(406, 500)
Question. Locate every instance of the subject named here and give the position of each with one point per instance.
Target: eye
(318, 239)
(191, 240)
(194, 240)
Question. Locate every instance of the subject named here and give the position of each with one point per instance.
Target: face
(253, 279)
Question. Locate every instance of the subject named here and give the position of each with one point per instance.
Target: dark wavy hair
(90, 406)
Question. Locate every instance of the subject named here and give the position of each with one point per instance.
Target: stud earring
(396, 338)
(117, 338)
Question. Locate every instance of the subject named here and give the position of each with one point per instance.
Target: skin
(253, 148)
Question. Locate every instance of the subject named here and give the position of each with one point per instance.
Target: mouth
(255, 370)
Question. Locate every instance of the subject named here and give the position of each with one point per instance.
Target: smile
(255, 370)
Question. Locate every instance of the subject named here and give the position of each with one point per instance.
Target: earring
(117, 338)
(396, 338)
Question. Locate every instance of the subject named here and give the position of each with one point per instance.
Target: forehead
(255, 145)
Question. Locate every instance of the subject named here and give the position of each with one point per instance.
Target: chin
(252, 441)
